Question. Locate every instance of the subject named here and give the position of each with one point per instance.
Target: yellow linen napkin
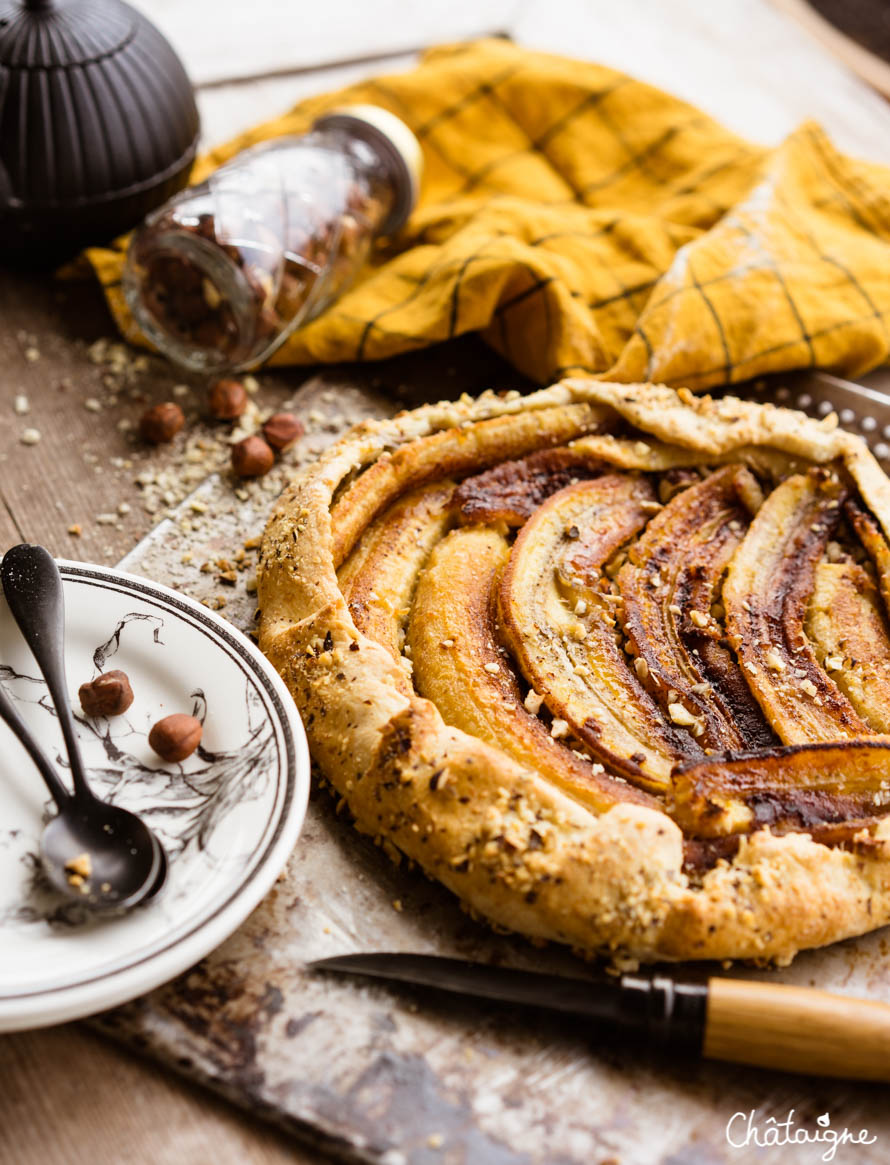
(585, 222)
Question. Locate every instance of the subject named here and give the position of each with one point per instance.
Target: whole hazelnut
(252, 457)
(282, 430)
(227, 399)
(109, 694)
(161, 423)
(175, 737)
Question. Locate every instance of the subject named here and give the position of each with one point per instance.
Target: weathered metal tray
(408, 1077)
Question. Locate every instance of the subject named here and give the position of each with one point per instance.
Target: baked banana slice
(793, 787)
(559, 620)
(668, 586)
(512, 491)
(768, 586)
(846, 626)
(378, 578)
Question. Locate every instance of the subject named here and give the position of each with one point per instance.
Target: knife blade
(771, 1025)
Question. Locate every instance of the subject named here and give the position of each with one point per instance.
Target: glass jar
(224, 272)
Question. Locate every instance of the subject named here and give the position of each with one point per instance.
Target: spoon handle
(9, 714)
(33, 589)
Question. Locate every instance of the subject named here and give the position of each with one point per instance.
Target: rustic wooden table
(67, 1096)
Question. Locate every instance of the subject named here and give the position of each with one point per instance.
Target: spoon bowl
(103, 855)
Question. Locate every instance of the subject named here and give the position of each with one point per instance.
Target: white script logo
(742, 1130)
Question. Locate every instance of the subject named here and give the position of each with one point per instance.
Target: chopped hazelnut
(227, 400)
(80, 867)
(176, 737)
(252, 457)
(533, 702)
(161, 423)
(282, 430)
(108, 694)
(682, 716)
(774, 661)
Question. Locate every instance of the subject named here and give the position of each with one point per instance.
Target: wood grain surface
(67, 1097)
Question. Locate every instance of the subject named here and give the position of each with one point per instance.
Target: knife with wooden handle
(770, 1025)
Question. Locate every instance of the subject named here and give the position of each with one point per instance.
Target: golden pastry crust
(602, 871)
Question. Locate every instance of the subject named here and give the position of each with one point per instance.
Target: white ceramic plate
(229, 816)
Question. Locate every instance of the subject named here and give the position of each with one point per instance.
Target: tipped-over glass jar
(224, 272)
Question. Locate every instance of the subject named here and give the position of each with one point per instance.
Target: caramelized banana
(872, 538)
(846, 625)
(669, 584)
(512, 491)
(378, 578)
(561, 629)
(768, 585)
(459, 665)
(793, 787)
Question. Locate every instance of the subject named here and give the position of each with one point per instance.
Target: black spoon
(103, 854)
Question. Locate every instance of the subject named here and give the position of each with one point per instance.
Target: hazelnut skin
(161, 423)
(252, 457)
(176, 737)
(227, 400)
(109, 694)
(282, 430)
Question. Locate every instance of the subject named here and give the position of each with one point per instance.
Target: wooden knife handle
(797, 1029)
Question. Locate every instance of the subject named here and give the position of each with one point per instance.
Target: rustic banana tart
(609, 661)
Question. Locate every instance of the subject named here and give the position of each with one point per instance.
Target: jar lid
(398, 145)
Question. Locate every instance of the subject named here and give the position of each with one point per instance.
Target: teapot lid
(60, 34)
(98, 122)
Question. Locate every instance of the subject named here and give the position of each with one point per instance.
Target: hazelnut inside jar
(224, 272)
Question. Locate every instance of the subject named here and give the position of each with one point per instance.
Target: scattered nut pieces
(252, 457)
(175, 737)
(227, 400)
(161, 423)
(21, 405)
(282, 430)
(30, 436)
(109, 694)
